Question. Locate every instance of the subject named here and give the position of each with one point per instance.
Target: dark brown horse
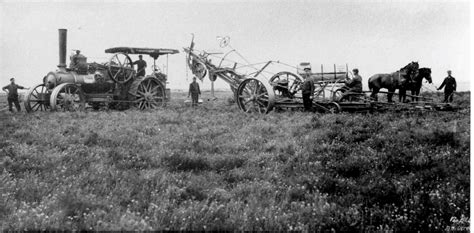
(415, 85)
(393, 81)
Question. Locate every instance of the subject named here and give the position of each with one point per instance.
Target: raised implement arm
(200, 66)
(251, 94)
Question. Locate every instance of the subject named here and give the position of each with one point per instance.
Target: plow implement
(256, 92)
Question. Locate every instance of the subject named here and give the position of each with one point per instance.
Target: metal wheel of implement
(197, 67)
(148, 93)
(254, 95)
(67, 97)
(333, 107)
(120, 68)
(37, 99)
(290, 81)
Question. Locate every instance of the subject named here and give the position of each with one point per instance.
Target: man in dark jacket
(194, 92)
(355, 84)
(12, 91)
(141, 65)
(449, 85)
(307, 90)
(75, 59)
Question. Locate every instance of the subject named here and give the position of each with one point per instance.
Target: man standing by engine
(75, 59)
(194, 92)
(141, 65)
(307, 90)
(449, 85)
(12, 91)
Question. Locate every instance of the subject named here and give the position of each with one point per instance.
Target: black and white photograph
(238, 115)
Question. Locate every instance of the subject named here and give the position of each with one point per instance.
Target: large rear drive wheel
(147, 93)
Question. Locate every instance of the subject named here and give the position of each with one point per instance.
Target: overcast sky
(374, 36)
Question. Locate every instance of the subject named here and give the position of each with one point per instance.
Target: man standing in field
(12, 91)
(194, 92)
(307, 90)
(449, 85)
(141, 65)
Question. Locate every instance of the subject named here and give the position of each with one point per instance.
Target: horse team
(407, 78)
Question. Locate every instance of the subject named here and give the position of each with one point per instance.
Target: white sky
(374, 36)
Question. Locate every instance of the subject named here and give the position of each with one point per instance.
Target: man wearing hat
(449, 85)
(355, 84)
(194, 92)
(141, 65)
(307, 90)
(12, 91)
(75, 59)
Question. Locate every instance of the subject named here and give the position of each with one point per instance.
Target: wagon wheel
(37, 99)
(333, 107)
(253, 95)
(292, 79)
(147, 93)
(197, 67)
(120, 68)
(67, 97)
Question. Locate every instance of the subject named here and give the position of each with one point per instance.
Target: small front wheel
(333, 108)
(67, 97)
(37, 99)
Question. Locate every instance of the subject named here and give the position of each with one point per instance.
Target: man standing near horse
(449, 85)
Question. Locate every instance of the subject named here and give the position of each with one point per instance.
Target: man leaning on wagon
(307, 90)
(12, 91)
(449, 85)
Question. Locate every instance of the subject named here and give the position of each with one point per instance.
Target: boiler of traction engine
(96, 82)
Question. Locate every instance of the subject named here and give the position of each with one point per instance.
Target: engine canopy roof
(153, 52)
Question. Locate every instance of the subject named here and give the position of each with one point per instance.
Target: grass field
(215, 168)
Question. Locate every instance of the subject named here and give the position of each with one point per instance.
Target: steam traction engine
(113, 84)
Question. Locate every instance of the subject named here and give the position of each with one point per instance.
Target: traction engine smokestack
(62, 49)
